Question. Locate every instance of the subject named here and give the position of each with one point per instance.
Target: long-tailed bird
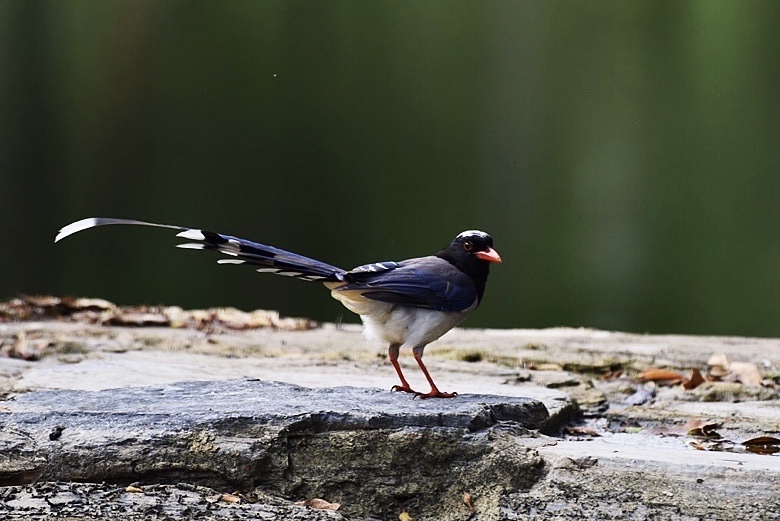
(407, 304)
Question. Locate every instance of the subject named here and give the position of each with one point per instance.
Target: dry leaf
(319, 504)
(744, 372)
(580, 430)
(585, 462)
(469, 501)
(702, 429)
(404, 516)
(100, 311)
(762, 445)
(44, 301)
(236, 319)
(133, 490)
(612, 375)
(229, 498)
(38, 306)
(19, 349)
(694, 381)
(81, 304)
(24, 349)
(713, 445)
(718, 365)
(138, 318)
(660, 376)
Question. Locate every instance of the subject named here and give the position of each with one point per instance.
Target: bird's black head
(472, 252)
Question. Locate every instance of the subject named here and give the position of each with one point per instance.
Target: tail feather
(269, 258)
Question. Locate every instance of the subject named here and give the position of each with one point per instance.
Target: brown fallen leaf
(404, 516)
(318, 503)
(612, 375)
(44, 301)
(660, 376)
(468, 500)
(65, 307)
(81, 303)
(713, 445)
(100, 311)
(138, 318)
(585, 462)
(580, 430)
(27, 349)
(702, 429)
(230, 498)
(133, 489)
(236, 319)
(694, 381)
(762, 445)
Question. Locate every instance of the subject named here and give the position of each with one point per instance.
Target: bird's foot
(435, 393)
(403, 389)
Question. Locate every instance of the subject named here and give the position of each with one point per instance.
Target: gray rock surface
(373, 451)
(102, 501)
(639, 464)
(634, 476)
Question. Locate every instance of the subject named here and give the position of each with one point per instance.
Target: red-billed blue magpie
(406, 304)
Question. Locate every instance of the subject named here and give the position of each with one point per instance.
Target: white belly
(407, 326)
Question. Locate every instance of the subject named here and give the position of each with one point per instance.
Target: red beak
(490, 255)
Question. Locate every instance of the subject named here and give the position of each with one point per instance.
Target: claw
(403, 389)
(435, 393)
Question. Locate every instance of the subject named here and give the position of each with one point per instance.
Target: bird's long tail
(239, 251)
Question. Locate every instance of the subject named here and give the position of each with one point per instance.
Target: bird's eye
(468, 245)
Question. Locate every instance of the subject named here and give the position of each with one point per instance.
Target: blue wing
(428, 282)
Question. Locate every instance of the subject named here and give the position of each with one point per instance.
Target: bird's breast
(398, 324)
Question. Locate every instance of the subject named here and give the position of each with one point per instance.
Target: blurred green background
(625, 155)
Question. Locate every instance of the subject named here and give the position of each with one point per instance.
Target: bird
(406, 304)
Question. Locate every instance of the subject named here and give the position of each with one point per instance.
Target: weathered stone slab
(350, 453)
(371, 450)
(635, 476)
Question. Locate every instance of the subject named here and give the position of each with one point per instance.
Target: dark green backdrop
(625, 155)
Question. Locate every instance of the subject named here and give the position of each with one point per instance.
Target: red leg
(392, 354)
(434, 392)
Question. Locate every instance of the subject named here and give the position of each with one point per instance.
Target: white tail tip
(76, 227)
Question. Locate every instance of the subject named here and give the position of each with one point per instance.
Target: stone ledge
(376, 473)
(371, 450)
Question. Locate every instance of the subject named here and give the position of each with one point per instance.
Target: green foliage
(622, 154)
